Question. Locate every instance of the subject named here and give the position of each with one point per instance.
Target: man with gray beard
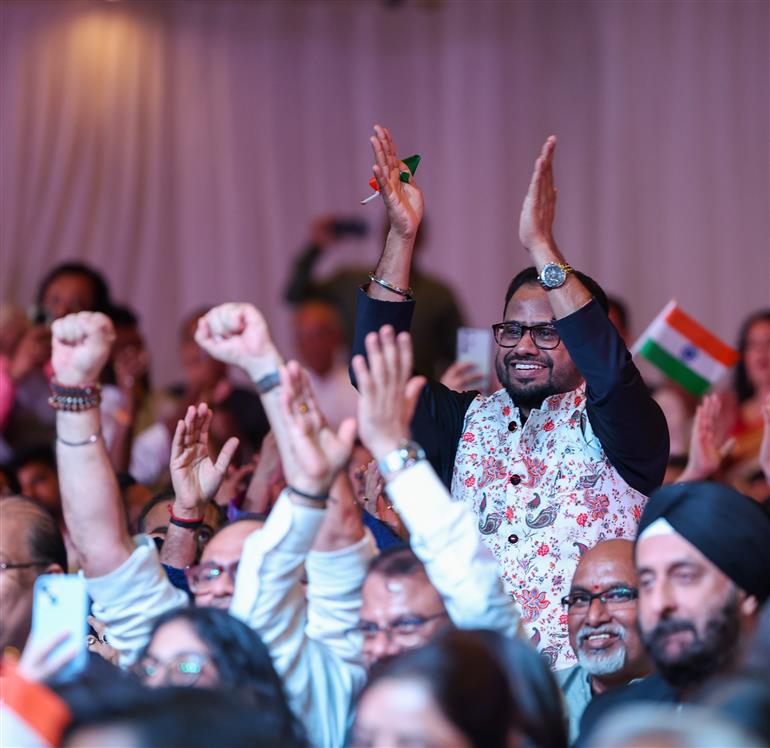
(601, 620)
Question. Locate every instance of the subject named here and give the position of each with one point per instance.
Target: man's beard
(600, 662)
(531, 396)
(703, 657)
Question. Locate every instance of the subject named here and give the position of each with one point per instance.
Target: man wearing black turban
(703, 561)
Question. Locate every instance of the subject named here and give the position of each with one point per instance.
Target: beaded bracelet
(75, 399)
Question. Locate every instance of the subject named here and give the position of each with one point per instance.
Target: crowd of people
(288, 559)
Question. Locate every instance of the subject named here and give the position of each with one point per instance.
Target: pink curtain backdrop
(183, 147)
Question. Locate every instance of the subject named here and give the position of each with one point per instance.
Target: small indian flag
(684, 350)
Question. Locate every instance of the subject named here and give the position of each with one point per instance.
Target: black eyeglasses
(614, 597)
(26, 565)
(508, 335)
(399, 630)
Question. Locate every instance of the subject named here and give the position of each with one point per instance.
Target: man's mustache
(606, 628)
(667, 628)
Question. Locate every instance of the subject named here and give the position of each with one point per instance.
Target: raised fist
(81, 347)
(237, 334)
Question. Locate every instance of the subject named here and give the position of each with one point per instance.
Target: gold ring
(302, 407)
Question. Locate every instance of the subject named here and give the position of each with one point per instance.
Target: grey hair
(680, 726)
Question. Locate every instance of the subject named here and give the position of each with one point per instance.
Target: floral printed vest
(543, 492)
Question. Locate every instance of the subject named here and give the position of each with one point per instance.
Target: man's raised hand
(237, 334)
(539, 208)
(403, 200)
(80, 347)
(194, 475)
(388, 390)
(313, 454)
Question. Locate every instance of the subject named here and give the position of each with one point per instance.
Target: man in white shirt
(315, 642)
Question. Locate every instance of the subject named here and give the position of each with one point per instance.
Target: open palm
(194, 475)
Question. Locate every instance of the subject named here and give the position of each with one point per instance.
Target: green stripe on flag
(674, 368)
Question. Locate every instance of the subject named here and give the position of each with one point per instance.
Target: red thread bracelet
(197, 522)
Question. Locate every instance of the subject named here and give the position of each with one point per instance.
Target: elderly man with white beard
(601, 620)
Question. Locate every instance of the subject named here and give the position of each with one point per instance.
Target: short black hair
(466, 681)
(396, 561)
(529, 276)
(158, 498)
(175, 716)
(621, 309)
(40, 453)
(122, 316)
(98, 283)
(44, 539)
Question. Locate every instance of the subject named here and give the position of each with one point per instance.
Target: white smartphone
(60, 604)
(474, 345)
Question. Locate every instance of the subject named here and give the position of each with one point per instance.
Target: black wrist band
(310, 496)
(268, 382)
(194, 525)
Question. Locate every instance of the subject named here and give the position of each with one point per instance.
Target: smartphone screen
(60, 604)
(475, 346)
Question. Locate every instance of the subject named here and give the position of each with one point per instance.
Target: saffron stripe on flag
(701, 337)
(674, 368)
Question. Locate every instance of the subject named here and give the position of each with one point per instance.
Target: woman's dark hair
(534, 689)
(190, 717)
(468, 685)
(743, 388)
(99, 285)
(529, 276)
(242, 661)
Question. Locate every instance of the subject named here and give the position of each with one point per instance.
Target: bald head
(602, 630)
(31, 545)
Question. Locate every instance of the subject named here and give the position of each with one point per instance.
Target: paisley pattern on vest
(544, 493)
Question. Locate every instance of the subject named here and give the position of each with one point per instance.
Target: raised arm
(93, 511)
(195, 478)
(536, 233)
(443, 533)
(404, 203)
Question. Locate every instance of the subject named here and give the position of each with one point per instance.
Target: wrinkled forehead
(529, 305)
(601, 571)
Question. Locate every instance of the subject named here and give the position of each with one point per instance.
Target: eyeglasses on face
(204, 575)
(25, 565)
(184, 669)
(398, 630)
(509, 334)
(614, 597)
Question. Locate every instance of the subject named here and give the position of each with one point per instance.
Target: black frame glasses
(26, 565)
(401, 628)
(616, 596)
(509, 335)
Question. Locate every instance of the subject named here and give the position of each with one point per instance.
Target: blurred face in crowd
(17, 518)
(201, 372)
(156, 524)
(177, 656)
(691, 615)
(68, 293)
(756, 355)
(39, 481)
(219, 562)
(318, 335)
(403, 712)
(528, 373)
(604, 635)
(399, 613)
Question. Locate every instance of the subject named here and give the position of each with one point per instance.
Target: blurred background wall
(183, 147)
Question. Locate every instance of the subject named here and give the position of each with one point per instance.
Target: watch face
(553, 275)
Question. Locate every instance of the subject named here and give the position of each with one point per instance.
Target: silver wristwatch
(405, 455)
(553, 275)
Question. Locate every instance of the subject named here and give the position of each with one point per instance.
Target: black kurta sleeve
(627, 421)
(438, 419)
